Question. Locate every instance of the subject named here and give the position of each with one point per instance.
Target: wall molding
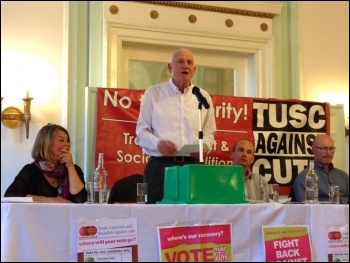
(210, 8)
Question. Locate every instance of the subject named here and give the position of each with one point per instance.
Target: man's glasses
(325, 149)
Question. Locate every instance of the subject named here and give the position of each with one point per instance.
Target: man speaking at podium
(169, 119)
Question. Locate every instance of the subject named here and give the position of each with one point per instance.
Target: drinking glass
(333, 194)
(274, 192)
(90, 193)
(142, 193)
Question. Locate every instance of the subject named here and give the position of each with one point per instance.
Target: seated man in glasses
(323, 149)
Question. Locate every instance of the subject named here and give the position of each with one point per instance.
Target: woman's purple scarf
(60, 172)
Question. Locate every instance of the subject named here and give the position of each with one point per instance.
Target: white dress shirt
(168, 114)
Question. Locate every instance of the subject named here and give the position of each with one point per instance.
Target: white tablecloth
(48, 232)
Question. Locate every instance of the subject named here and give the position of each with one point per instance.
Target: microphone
(200, 97)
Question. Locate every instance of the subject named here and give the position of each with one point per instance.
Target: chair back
(124, 190)
(292, 195)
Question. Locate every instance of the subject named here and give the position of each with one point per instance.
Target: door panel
(219, 73)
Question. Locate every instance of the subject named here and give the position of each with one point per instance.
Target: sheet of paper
(280, 243)
(16, 199)
(189, 148)
(108, 240)
(214, 242)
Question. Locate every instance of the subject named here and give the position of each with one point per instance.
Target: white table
(48, 232)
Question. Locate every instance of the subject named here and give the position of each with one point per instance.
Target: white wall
(324, 50)
(324, 46)
(32, 56)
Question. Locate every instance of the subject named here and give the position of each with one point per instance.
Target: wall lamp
(12, 117)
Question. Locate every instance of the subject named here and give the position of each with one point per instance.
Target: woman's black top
(31, 180)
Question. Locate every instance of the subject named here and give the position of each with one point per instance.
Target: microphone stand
(200, 132)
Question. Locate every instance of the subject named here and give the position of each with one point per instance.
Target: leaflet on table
(197, 243)
(108, 240)
(338, 243)
(287, 243)
(189, 148)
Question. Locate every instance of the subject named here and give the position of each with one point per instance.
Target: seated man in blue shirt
(323, 149)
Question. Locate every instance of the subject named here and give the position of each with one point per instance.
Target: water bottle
(100, 182)
(311, 185)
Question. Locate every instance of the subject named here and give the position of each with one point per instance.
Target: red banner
(283, 131)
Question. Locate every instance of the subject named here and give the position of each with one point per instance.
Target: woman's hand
(75, 184)
(66, 158)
